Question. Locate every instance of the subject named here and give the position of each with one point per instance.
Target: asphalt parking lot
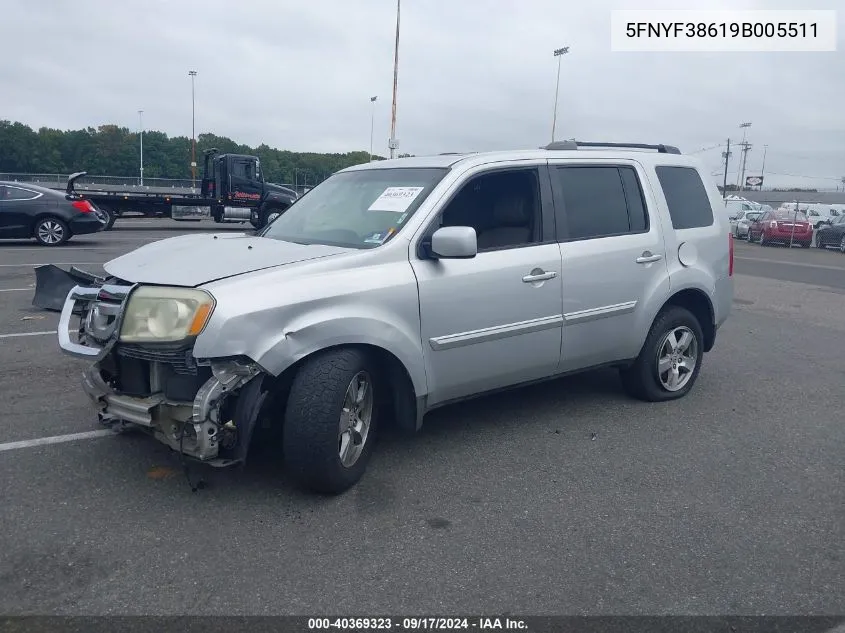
(563, 498)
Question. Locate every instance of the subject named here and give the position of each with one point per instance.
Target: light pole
(763, 168)
(741, 165)
(372, 124)
(141, 134)
(192, 74)
(559, 53)
(393, 143)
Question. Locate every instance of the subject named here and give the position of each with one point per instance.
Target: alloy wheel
(50, 232)
(355, 419)
(677, 358)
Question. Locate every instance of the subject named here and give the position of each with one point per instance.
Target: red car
(780, 226)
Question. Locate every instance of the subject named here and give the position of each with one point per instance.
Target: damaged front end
(205, 409)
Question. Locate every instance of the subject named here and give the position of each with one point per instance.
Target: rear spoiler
(72, 179)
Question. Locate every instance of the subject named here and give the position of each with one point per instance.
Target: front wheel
(842, 245)
(670, 360)
(330, 420)
(51, 231)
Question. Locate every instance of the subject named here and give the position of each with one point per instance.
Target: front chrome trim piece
(101, 315)
(582, 316)
(494, 333)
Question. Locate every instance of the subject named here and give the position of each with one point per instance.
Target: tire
(268, 215)
(112, 217)
(312, 436)
(642, 380)
(819, 243)
(762, 241)
(51, 231)
(842, 245)
(748, 236)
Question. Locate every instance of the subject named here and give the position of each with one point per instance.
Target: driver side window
(503, 207)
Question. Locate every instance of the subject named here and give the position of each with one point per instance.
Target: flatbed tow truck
(232, 190)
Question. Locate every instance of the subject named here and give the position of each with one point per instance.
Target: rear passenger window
(689, 204)
(600, 201)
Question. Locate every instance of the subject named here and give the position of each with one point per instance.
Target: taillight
(730, 255)
(83, 205)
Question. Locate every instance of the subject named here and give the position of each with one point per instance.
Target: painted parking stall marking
(56, 439)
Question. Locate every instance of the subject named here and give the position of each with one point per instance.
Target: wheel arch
(41, 215)
(699, 303)
(402, 396)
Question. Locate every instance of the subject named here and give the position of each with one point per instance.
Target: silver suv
(399, 286)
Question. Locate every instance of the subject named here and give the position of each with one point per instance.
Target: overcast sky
(473, 75)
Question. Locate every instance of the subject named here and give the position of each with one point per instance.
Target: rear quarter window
(686, 197)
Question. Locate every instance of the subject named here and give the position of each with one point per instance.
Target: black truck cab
(236, 181)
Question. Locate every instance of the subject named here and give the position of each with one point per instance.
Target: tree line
(110, 150)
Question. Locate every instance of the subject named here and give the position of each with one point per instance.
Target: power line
(774, 173)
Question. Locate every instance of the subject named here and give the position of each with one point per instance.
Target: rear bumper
(787, 235)
(86, 223)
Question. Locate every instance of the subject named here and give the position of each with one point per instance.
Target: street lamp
(141, 134)
(393, 144)
(763, 168)
(559, 53)
(192, 74)
(372, 124)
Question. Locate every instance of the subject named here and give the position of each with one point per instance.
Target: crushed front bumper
(204, 410)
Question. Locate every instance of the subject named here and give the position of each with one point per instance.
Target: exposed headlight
(158, 314)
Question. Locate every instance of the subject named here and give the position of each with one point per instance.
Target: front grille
(180, 359)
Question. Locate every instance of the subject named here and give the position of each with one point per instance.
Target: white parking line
(14, 289)
(17, 334)
(56, 439)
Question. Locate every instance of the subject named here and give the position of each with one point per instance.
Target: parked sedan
(739, 225)
(51, 217)
(833, 234)
(781, 226)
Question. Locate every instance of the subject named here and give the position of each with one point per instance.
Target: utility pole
(745, 149)
(763, 168)
(393, 143)
(727, 156)
(141, 134)
(744, 127)
(192, 74)
(372, 124)
(559, 53)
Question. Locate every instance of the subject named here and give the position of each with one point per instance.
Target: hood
(193, 260)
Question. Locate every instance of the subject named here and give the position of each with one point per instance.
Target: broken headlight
(157, 314)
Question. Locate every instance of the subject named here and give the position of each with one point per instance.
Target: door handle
(539, 276)
(647, 258)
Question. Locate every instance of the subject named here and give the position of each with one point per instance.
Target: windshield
(356, 209)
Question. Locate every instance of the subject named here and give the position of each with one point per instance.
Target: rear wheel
(670, 360)
(842, 245)
(51, 231)
(330, 420)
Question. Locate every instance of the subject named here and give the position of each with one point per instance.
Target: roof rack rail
(570, 145)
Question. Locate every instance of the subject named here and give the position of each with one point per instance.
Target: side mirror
(454, 242)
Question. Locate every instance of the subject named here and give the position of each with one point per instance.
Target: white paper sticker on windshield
(396, 199)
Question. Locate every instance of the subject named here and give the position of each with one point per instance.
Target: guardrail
(121, 183)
